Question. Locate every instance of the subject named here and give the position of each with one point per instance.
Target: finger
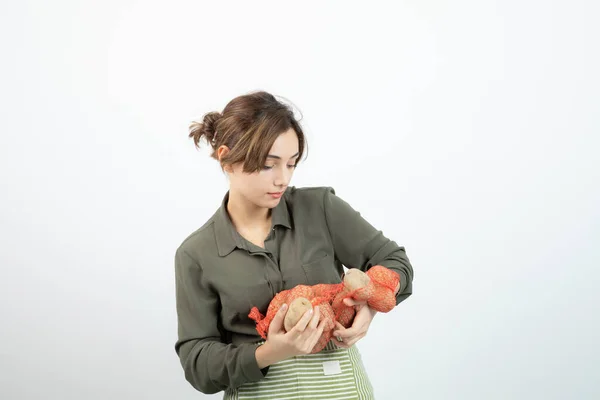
(338, 328)
(338, 343)
(277, 321)
(352, 341)
(340, 334)
(316, 335)
(315, 319)
(319, 329)
(323, 324)
(351, 302)
(301, 325)
(349, 341)
(347, 334)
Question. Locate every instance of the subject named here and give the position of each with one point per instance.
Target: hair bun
(210, 121)
(206, 128)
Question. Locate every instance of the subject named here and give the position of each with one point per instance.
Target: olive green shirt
(220, 276)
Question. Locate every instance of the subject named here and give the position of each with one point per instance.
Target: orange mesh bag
(376, 287)
(318, 295)
(385, 281)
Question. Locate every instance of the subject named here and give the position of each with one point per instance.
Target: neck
(245, 214)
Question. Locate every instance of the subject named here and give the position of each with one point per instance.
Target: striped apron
(332, 373)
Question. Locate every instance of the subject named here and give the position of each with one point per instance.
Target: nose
(283, 176)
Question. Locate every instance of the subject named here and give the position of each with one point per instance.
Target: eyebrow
(279, 158)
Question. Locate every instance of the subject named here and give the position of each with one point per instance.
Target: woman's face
(273, 178)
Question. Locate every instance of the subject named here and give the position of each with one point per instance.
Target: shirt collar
(228, 238)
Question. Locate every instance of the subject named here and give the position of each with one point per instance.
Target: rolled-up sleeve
(358, 244)
(210, 365)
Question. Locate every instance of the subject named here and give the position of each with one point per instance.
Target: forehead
(286, 145)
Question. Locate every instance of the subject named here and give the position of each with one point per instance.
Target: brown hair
(249, 125)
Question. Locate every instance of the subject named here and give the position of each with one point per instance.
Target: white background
(467, 131)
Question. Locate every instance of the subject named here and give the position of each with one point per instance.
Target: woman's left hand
(360, 325)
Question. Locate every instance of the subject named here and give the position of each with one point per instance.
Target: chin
(272, 201)
(266, 203)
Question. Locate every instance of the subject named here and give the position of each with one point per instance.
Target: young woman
(268, 236)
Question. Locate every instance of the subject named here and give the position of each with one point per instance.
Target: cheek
(256, 186)
(261, 182)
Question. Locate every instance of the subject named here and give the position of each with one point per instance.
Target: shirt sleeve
(210, 365)
(358, 244)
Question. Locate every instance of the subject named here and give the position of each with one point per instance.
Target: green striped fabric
(307, 377)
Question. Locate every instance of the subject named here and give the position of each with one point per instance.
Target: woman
(268, 236)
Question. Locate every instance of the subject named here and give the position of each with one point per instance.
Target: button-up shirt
(220, 276)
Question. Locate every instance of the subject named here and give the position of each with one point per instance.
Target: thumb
(350, 302)
(277, 322)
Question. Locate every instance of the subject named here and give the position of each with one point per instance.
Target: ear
(222, 152)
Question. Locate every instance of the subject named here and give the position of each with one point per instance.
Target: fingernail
(310, 311)
(283, 307)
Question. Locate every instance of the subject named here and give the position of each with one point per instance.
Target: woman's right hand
(301, 339)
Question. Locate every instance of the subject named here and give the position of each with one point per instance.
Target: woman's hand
(360, 325)
(301, 339)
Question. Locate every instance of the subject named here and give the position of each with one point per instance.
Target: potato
(296, 310)
(356, 279)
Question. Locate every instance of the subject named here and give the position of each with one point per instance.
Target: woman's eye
(271, 166)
